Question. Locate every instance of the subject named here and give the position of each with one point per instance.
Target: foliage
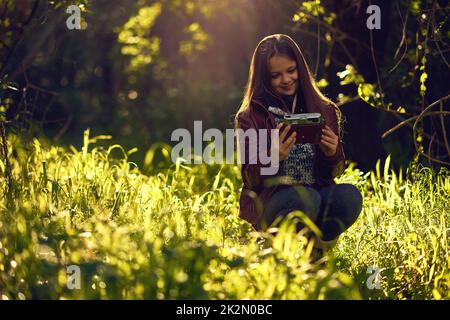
(403, 230)
(133, 37)
(175, 234)
(134, 236)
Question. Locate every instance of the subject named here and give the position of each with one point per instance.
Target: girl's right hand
(285, 144)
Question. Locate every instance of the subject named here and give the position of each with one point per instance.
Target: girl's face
(284, 74)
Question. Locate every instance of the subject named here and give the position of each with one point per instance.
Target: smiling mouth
(288, 87)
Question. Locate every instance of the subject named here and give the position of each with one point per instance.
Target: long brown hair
(259, 82)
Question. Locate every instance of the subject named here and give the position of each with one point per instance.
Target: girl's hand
(285, 146)
(328, 142)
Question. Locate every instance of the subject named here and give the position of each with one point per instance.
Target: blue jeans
(333, 209)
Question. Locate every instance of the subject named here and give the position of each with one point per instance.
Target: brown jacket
(256, 190)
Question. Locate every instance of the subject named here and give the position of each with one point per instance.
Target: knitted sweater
(298, 167)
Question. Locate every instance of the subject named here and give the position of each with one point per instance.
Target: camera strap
(294, 103)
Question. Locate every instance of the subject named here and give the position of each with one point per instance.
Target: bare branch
(416, 122)
(372, 51)
(436, 42)
(443, 128)
(403, 40)
(16, 43)
(423, 113)
(407, 121)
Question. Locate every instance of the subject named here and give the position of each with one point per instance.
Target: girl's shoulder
(331, 111)
(333, 118)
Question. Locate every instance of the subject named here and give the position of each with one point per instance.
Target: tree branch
(16, 43)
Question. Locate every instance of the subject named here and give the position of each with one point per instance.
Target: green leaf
(386, 166)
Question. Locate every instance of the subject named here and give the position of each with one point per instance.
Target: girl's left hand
(328, 142)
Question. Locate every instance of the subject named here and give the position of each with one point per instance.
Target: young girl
(280, 82)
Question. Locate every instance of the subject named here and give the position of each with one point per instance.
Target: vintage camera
(307, 125)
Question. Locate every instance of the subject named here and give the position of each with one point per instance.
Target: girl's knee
(354, 199)
(349, 200)
(350, 193)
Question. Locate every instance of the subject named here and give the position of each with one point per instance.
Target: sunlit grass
(174, 233)
(404, 231)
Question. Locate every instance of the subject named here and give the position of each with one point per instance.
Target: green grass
(173, 233)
